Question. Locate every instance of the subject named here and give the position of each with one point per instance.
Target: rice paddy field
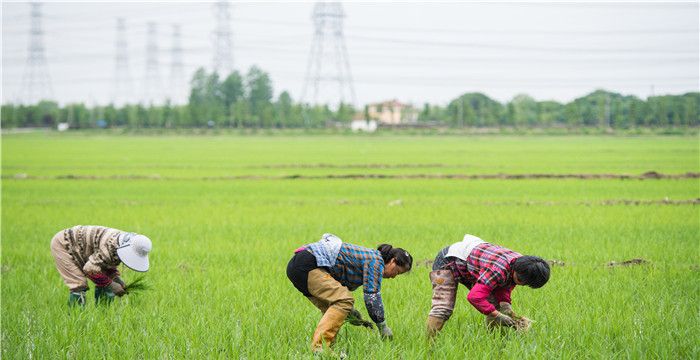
(226, 212)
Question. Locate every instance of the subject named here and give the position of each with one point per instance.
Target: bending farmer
(326, 271)
(490, 272)
(94, 252)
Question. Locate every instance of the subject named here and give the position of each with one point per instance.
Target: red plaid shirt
(488, 267)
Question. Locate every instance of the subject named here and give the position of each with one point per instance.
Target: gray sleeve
(375, 306)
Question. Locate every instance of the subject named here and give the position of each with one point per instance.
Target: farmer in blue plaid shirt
(328, 270)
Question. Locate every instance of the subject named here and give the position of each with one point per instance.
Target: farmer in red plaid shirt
(490, 272)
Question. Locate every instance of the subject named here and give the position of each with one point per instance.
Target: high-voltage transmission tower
(123, 86)
(152, 87)
(328, 66)
(176, 81)
(36, 82)
(223, 40)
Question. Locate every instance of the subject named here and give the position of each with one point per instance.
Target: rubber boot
(328, 328)
(76, 298)
(434, 325)
(103, 295)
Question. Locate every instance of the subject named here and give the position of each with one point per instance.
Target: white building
(363, 125)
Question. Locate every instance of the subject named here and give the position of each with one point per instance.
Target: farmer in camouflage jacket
(94, 252)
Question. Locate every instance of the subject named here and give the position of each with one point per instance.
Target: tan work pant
(72, 275)
(328, 292)
(335, 302)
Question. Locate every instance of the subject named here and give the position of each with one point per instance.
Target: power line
(474, 78)
(509, 32)
(453, 44)
(375, 58)
(381, 52)
(458, 83)
(88, 25)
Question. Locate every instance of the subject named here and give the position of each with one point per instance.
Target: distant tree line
(597, 109)
(247, 101)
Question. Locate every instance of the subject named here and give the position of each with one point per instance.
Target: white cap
(133, 251)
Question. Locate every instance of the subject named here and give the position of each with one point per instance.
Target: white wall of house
(363, 125)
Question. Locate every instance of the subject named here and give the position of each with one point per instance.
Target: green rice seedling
(137, 285)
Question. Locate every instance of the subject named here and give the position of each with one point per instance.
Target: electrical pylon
(123, 85)
(152, 87)
(328, 65)
(223, 40)
(36, 82)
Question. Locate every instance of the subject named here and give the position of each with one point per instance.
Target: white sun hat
(133, 251)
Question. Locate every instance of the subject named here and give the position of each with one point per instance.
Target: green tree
(572, 114)
(232, 89)
(199, 99)
(241, 114)
(8, 116)
(259, 91)
(690, 103)
(474, 109)
(46, 113)
(550, 113)
(345, 113)
(283, 110)
(110, 115)
(524, 110)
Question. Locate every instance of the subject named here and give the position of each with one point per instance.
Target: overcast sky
(415, 52)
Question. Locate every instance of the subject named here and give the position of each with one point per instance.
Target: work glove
(385, 331)
(119, 281)
(506, 309)
(116, 288)
(501, 320)
(355, 318)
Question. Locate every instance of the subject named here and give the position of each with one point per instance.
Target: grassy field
(225, 214)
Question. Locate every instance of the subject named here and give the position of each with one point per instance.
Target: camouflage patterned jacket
(91, 245)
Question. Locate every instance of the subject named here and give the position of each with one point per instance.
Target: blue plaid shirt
(355, 266)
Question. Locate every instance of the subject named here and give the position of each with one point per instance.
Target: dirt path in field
(353, 166)
(609, 202)
(651, 175)
(638, 261)
(644, 176)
